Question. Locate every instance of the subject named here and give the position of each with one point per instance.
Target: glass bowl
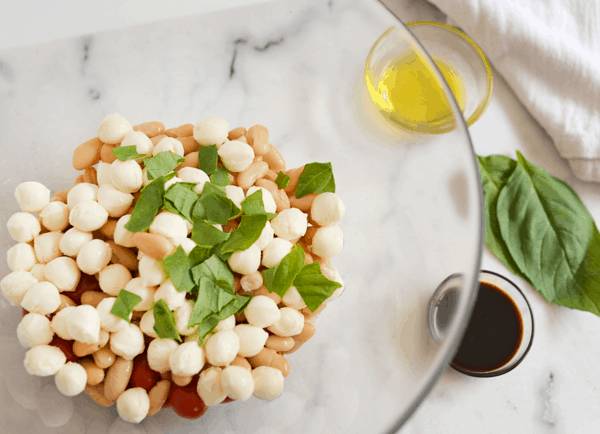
(413, 201)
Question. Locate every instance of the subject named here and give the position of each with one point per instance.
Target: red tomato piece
(186, 402)
(143, 376)
(66, 347)
(24, 312)
(226, 400)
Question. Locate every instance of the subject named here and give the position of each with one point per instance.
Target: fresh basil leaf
(205, 234)
(254, 204)
(148, 204)
(315, 178)
(249, 230)
(211, 189)
(206, 303)
(215, 270)
(219, 209)
(278, 279)
(208, 158)
(313, 287)
(162, 163)
(207, 326)
(282, 180)
(125, 153)
(178, 269)
(235, 306)
(124, 304)
(164, 321)
(220, 178)
(199, 254)
(181, 199)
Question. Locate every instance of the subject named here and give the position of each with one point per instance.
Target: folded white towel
(548, 51)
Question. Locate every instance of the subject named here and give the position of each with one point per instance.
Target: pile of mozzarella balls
(73, 256)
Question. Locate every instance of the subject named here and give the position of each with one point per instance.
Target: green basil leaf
(162, 163)
(219, 209)
(215, 270)
(125, 153)
(282, 180)
(313, 287)
(148, 205)
(237, 305)
(211, 189)
(181, 199)
(199, 254)
(246, 234)
(254, 204)
(220, 178)
(315, 178)
(205, 234)
(278, 279)
(208, 158)
(178, 269)
(206, 303)
(124, 304)
(207, 326)
(164, 321)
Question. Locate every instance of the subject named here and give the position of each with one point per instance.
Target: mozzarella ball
(275, 251)
(147, 324)
(159, 351)
(209, 387)
(63, 272)
(34, 329)
(252, 339)
(82, 192)
(187, 359)
(55, 216)
(83, 324)
(113, 278)
(143, 145)
(38, 271)
(262, 311)
(182, 318)
(188, 245)
(109, 322)
(290, 224)
(114, 201)
(245, 261)
(126, 175)
(332, 273)
(21, 257)
(152, 272)
(94, 256)
(73, 240)
(222, 347)
(290, 323)
(196, 176)
(42, 298)
(145, 179)
(127, 342)
(211, 131)
(171, 226)
(237, 382)
(169, 144)
(122, 236)
(167, 292)
(327, 209)
(32, 196)
(235, 194)
(133, 405)
(71, 379)
(137, 286)
(16, 284)
(44, 360)
(46, 246)
(265, 237)
(267, 198)
(59, 323)
(225, 324)
(292, 298)
(268, 383)
(236, 156)
(113, 128)
(88, 216)
(328, 241)
(23, 227)
(103, 173)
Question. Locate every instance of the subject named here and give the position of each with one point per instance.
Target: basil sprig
(315, 178)
(124, 304)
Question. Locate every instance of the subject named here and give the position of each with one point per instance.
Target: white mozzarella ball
(265, 237)
(172, 181)
(252, 339)
(44, 360)
(133, 405)
(122, 236)
(38, 271)
(225, 324)
(47, 246)
(290, 323)
(290, 224)
(245, 261)
(63, 272)
(211, 131)
(42, 298)
(159, 351)
(55, 216)
(88, 216)
(292, 298)
(145, 179)
(114, 201)
(143, 145)
(167, 292)
(222, 347)
(209, 387)
(126, 175)
(237, 382)
(82, 192)
(127, 342)
(109, 322)
(152, 272)
(327, 209)
(71, 379)
(268, 383)
(137, 286)
(147, 324)
(267, 198)
(262, 311)
(182, 318)
(83, 324)
(169, 144)
(21, 257)
(73, 240)
(59, 323)
(275, 251)
(197, 176)
(328, 241)
(16, 284)
(235, 194)
(332, 273)
(32, 196)
(171, 226)
(103, 173)
(34, 329)
(188, 245)
(113, 128)
(23, 227)
(236, 156)
(187, 359)
(94, 256)
(113, 278)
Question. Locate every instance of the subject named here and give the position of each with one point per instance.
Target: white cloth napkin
(549, 53)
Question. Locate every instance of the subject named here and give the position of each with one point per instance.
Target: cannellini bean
(268, 383)
(290, 224)
(268, 357)
(44, 360)
(304, 203)
(280, 343)
(150, 129)
(21, 257)
(290, 323)
(236, 132)
(104, 358)
(275, 251)
(265, 292)
(241, 361)
(117, 378)
(87, 154)
(16, 284)
(222, 347)
(210, 387)
(34, 329)
(94, 256)
(42, 298)
(250, 175)
(123, 256)
(211, 131)
(180, 131)
(258, 138)
(262, 311)
(154, 245)
(275, 160)
(32, 196)
(94, 374)
(159, 351)
(237, 382)
(252, 339)
(143, 145)
(113, 278)
(236, 156)
(70, 379)
(108, 230)
(114, 201)
(24, 227)
(97, 394)
(267, 198)
(65, 302)
(127, 342)
(158, 396)
(83, 324)
(72, 241)
(328, 241)
(88, 216)
(113, 128)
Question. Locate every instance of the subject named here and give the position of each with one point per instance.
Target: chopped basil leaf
(219, 209)
(124, 304)
(199, 254)
(254, 204)
(178, 269)
(205, 234)
(207, 158)
(212, 299)
(148, 205)
(164, 321)
(220, 177)
(217, 271)
(249, 230)
(207, 326)
(162, 163)
(211, 189)
(315, 178)
(125, 153)
(180, 199)
(314, 288)
(278, 279)
(282, 180)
